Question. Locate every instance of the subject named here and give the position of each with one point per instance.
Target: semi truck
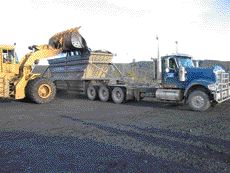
(175, 79)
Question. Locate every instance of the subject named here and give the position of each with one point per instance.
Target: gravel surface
(73, 134)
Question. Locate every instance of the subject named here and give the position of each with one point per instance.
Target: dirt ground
(73, 134)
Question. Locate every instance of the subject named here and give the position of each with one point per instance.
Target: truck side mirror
(196, 63)
(182, 74)
(167, 65)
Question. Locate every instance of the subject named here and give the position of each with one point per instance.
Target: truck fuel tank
(169, 94)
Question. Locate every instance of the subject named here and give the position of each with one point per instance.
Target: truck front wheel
(199, 101)
(41, 90)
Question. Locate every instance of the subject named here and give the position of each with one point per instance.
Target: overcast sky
(127, 28)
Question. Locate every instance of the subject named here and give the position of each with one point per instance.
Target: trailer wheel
(103, 93)
(199, 101)
(40, 90)
(118, 95)
(91, 92)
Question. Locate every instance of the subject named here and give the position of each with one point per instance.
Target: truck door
(170, 76)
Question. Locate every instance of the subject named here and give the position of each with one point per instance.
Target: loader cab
(8, 59)
(173, 70)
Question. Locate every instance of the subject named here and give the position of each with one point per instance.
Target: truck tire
(118, 95)
(40, 90)
(199, 101)
(103, 93)
(91, 92)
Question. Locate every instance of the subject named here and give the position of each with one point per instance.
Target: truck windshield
(185, 62)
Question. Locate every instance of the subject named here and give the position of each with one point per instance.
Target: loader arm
(26, 64)
(38, 53)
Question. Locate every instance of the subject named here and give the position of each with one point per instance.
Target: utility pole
(158, 61)
(158, 48)
(176, 42)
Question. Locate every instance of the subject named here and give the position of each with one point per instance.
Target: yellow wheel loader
(16, 78)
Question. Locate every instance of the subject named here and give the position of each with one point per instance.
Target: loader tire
(40, 90)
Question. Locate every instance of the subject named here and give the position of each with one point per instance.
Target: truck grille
(223, 88)
(222, 77)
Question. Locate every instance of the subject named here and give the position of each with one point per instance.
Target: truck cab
(200, 87)
(174, 73)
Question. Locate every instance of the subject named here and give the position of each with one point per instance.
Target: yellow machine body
(9, 68)
(14, 75)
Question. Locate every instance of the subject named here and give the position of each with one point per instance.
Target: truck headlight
(212, 87)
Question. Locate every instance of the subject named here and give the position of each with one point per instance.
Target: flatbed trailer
(92, 75)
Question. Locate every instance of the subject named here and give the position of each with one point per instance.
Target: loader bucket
(69, 40)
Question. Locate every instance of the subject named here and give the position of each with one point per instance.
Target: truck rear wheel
(199, 101)
(41, 90)
(118, 95)
(103, 93)
(91, 92)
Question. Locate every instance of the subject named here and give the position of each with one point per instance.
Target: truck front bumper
(221, 96)
(222, 89)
